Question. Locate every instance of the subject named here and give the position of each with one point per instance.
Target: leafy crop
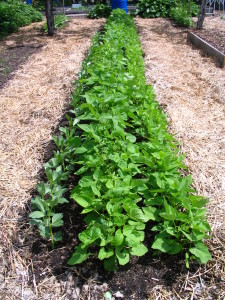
(127, 164)
(14, 14)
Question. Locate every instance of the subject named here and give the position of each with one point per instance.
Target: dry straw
(191, 88)
(31, 105)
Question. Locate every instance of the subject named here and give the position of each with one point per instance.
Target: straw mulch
(31, 105)
(191, 88)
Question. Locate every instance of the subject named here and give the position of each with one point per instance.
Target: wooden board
(206, 47)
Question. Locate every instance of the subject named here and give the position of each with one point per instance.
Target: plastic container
(122, 4)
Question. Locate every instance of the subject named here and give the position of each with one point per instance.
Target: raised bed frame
(206, 47)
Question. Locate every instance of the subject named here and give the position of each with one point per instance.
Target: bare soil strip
(191, 88)
(31, 104)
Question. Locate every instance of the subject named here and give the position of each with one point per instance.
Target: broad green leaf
(39, 203)
(139, 250)
(110, 264)
(138, 215)
(37, 214)
(201, 252)
(78, 256)
(58, 236)
(89, 235)
(150, 212)
(57, 220)
(103, 253)
(123, 256)
(166, 245)
(118, 238)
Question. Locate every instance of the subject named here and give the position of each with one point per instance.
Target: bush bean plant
(127, 165)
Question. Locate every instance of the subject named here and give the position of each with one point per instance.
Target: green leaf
(138, 215)
(78, 256)
(150, 212)
(110, 264)
(123, 256)
(201, 252)
(103, 253)
(57, 220)
(89, 235)
(37, 214)
(139, 250)
(39, 203)
(58, 236)
(118, 238)
(166, 245)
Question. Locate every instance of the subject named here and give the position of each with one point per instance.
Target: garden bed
(191, 91)
(211, 39)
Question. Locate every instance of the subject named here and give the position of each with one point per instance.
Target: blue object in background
(29, 1)
(119, 4)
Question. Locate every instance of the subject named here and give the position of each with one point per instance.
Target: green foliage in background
(184, 12)
(100, 11)
(154, 8)
(181, 11)
(14, 14)
(60, 22)
(126, 166)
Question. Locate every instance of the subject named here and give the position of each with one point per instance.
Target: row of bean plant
(127, 164)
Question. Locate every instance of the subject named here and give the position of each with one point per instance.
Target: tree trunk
(49, 16)
(201, 15)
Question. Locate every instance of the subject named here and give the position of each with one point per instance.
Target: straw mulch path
(191, 88)
(31, 104)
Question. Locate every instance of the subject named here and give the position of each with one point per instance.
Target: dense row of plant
(181, 11)
(14, 14)
(125, 163)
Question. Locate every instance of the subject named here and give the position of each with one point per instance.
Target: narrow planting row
(127, 163)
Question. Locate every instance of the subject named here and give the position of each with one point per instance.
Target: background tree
(201, 15)
(49, 16)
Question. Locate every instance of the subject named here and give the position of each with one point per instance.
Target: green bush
(181, 16)
(183, 13)
(14, 14)
(100, 11)
(154, 8)
(59, 22)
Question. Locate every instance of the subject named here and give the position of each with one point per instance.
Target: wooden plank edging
(206, 47)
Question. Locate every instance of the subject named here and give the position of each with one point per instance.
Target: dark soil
(133, 280)
(214, 37)
(12, 58)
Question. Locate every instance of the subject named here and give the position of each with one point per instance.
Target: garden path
(31, 105)
(191, 89)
